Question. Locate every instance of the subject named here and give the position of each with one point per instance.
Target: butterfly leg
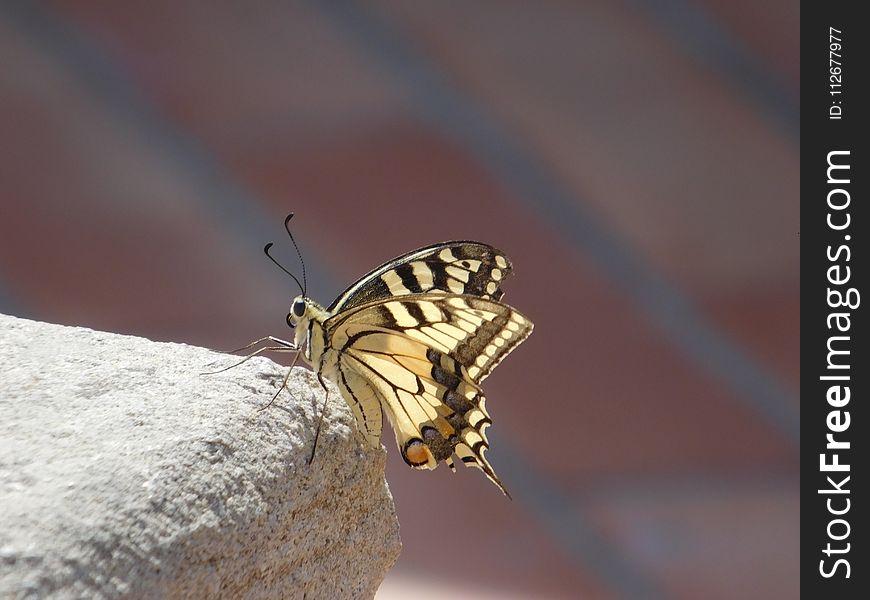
(268, 338)
(319, 420)
(281, 346)
(252, 355)
(283, 383)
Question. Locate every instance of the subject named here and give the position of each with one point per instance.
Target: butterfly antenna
(302, 262)
(280, 266)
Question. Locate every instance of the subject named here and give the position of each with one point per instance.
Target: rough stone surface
(126, 473)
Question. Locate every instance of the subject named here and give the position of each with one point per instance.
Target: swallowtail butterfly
(414, 339)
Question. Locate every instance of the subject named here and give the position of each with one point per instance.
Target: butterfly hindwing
(364, 401)
(423, 356)
(460, 267)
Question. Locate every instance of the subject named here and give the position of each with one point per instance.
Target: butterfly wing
(461, 267)
(423, 356)
(364, 400)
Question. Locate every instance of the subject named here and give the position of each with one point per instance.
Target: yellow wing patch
(424, 356)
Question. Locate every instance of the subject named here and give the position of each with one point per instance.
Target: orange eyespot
(416, 454)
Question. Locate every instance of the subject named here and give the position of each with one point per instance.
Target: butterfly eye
(298, 308)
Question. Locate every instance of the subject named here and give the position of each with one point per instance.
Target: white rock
(124, 472)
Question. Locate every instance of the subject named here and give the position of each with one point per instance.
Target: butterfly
(415, 338)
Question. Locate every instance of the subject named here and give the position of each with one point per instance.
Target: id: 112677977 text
(835, 73)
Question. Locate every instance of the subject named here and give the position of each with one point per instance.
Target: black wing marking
(460, 267)
(475, 332)
(433, 411)
(424, 355)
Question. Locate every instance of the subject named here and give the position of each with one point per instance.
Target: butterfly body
(414, 339)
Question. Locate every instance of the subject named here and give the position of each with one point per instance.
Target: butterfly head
(306, 316)
(304, 310)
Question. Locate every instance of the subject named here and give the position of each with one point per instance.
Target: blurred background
(638, 162)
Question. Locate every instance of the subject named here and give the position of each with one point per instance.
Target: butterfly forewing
(462, 267)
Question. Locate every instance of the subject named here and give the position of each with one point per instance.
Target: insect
(414, 339)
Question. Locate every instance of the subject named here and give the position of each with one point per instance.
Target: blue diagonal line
(703, 38)
(223, 198)
(447, 109)
(11, 304)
